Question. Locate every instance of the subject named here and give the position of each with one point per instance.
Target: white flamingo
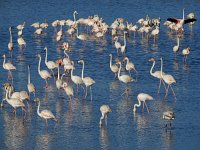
(142, 97)
(68, 90)
(15, 103)
(45, 114)
(8, 66)
(114, 68)
(86, 80)
(117, 44)
(76, 79)
(155, 33)
(123, 47)
(185, 53)
(44, 74)
(30, 86)
(21, 41)
(176, 47)
(169, 79)
(59, 81)
(156, 74)
(129, 66)
(81, 36)
(50, 64)
(105, 109)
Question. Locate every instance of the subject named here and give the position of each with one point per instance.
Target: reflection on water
(15, 131)
(103, 137)
(43, 141)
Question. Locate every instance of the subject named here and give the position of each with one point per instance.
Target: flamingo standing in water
(8, 66)
(169, 79)
(114, 68)
(176, 47)
(45, 114)
(168, 115)
(86, 80)
(156, 74)
(129, 65)
(44, 74)
(185, 53)
(142, 97)
(105, 109)
(180, 22)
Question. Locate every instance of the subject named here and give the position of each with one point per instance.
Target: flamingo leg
(91, 92)
(173, 91)
(46, 123)
(83, 88)
(46, 83)
(106, 120)
(146, 106)
(159, 86)
(167, 91)
(86, 92)
(163, 83)
(143, 107)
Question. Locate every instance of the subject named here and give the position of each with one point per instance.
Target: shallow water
(78, 126)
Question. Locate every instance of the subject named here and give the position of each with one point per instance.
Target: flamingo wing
(173, 20)
(189, 20)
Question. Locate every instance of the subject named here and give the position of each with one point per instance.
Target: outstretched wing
(189, 20)
(173, 20)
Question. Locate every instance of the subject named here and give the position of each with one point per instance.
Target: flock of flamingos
(97, 27)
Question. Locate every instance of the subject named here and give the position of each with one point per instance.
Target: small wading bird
(45, 114)
(169, 116)
(142, 97)
(105, 109)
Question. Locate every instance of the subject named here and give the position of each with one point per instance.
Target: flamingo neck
(161, 68)
(77, 32)
(137, 105)
(46, 56)
(10, 36)
(124, 39)
(183, 14)
(110, 60)
(29, 77)
(151, 71)
(74, 16)
(58, 72)
(120, 65)
(39, 65)
(38, 109)
(178, 42)
(82, 70)
(4, 61)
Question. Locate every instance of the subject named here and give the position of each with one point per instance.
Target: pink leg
(159, 86)
(167, 91)
(91, 92)
(173, 91)
(146, 106)
(86, 92)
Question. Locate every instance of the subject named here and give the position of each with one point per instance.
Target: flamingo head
(81, 61)
(36, 100)
(45, 48)
(152, 59)
(38, 55)
(4, 55)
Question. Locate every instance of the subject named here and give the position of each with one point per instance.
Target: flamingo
(123, 47)
(35, 25)
(142, 97)
(176, 47)
(155, 32)
(124, 78)
(21, 26)
(50, 64)
(129, 65)
(156, 74)
(45, 114)
(10, 44)
(114, 68)
(30, 86)
(117, 44)
(168, 115)
(38, 31)
(8, 66)
(169, 79)
(59, 81)
(86, 80)
(105, 109)
(44, 74)
(185, 53)
(76, 79)
(21, 41)
(15, 103)
(81, 36)
(180, 22)
(68, 90)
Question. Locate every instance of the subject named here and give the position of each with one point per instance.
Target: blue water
(78, 126)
